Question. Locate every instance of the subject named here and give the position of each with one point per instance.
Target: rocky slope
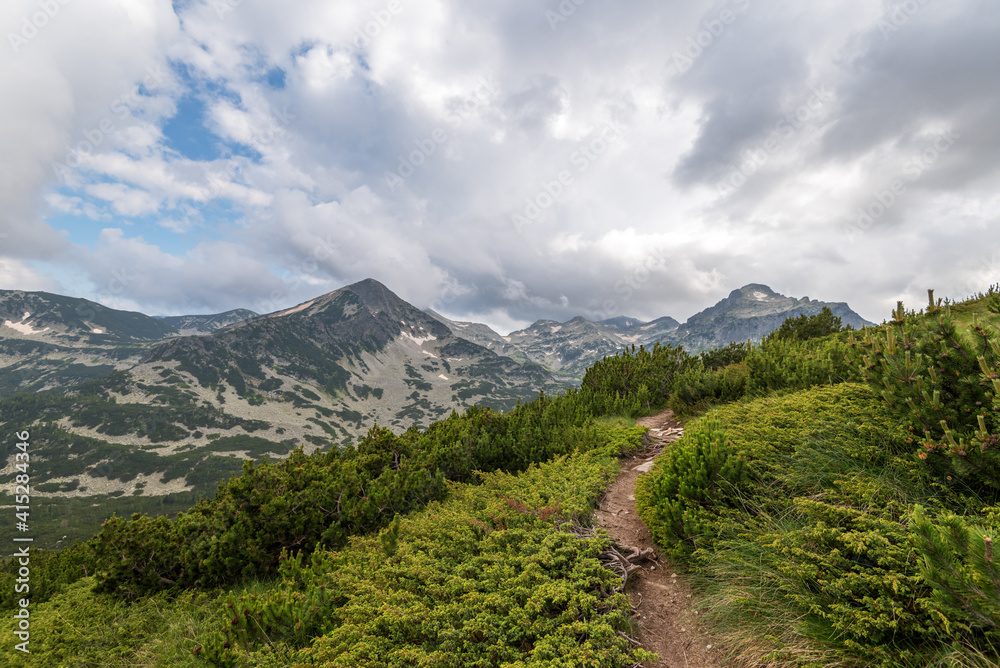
(184, 415)
(567, 349)
(481, 334)
(750, 313)
(189, 325)
(52, 342)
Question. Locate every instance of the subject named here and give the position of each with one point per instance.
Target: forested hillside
(835, 495)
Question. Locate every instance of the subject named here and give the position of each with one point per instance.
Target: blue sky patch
(186, 132)
(276, 78)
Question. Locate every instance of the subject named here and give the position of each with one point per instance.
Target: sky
(500, 161)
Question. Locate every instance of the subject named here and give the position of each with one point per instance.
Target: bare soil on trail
(665, 608)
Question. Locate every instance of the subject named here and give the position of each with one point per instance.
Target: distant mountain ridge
(750, 313)
(168, 407)
(57, 318)
(360, 355)
(351, 341)
(188, 325)
(52, 342)
(568, 348)
(481, 334)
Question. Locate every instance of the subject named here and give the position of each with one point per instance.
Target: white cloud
(313, 210)
(16, 275)
(124, 200)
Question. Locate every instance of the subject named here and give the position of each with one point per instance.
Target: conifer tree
(959, 563)
(944, 385)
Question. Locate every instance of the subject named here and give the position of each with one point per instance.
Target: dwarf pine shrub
(691, 483)
(491, 576)
(944, 384)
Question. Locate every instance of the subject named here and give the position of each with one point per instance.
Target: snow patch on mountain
(419, 340)
(23, 327)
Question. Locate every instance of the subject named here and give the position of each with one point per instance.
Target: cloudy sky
(499, 161)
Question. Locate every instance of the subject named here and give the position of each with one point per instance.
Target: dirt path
(665, 608)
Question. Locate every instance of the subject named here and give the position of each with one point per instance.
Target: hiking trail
(666, 611)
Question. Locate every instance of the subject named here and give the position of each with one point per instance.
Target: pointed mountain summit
(368, 294)
(367, 309)
(751, 312)
(379, 299)
(345, 345)
(567, 348)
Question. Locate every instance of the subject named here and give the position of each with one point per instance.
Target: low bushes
(491, 576)
(817, 550)
(499, 572)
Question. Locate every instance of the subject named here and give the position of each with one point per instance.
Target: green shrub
(943, 382)
(489, 576)
(305, 502)
(806, 327)
(633, 381)
(810, 559)
(240, 533)
(791, 365)
(52, 572)
(720, 358)
(697, 388)
(80, 627)
(696, 478)
(959, 563)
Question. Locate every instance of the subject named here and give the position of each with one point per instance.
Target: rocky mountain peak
(621, 322)
(368, 295)
(754, 292)
(375, 296)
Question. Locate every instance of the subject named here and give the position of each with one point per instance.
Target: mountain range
(567, 349)
(124, 406)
